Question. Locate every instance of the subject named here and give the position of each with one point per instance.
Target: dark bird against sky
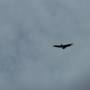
(63, 46)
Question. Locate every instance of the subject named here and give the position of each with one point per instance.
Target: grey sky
(28, 29)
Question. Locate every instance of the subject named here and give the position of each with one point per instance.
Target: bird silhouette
(63, 46)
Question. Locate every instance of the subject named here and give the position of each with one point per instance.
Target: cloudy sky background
(28, 29)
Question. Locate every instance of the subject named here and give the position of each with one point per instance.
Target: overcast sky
(29, 29)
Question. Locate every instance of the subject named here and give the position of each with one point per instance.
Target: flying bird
(63, 46)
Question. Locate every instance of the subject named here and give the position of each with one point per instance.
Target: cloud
(28, 30)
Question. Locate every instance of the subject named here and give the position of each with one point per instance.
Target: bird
(63, 46)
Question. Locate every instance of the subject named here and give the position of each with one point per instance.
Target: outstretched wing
(58, 46)
(68, 45)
